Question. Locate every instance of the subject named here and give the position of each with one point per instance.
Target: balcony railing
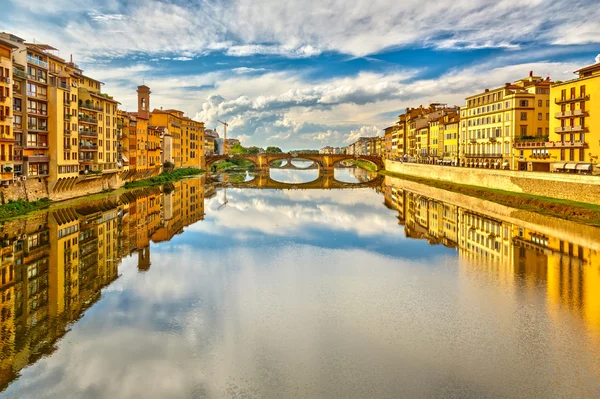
(478, 155)
(37, 62)
(38, 112)
(87, 119)
(36, 78)
(570, 129)
(38, 128)
(90, 133)
(88, 147)
(580, 97)
(37, 158)
(550, 144)
(18, 158)
(37, 144)
(37, 95)
(19, 73)
(91, 106)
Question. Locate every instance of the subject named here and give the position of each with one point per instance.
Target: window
(540, 103)
(524, 103)
(539, 116)
(523, 116)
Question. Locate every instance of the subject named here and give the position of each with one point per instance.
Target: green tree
(273, 150)
(238, 149)
(253, 150)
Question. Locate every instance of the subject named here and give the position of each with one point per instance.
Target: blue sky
(311, 73)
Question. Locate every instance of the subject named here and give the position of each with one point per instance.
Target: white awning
(571, 166)
(505, 163)
(125, 159)
(559, 165)
(584, 166)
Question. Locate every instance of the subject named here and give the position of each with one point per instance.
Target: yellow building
(186, 135)
(494, 120)
(574, 144)
(62, 122)
(7, 137)
(449, 139)
(97, 128)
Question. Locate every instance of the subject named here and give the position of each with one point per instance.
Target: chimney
(530, 74)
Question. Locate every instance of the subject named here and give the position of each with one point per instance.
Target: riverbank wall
(34, 189)
(580, 188)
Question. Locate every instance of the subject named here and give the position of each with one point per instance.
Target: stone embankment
(579, 188)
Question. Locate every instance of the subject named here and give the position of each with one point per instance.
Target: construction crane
(225, 124)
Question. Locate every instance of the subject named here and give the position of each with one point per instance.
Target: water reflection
(307, 294)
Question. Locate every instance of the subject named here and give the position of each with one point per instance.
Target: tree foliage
(238, 149)
(273, 150)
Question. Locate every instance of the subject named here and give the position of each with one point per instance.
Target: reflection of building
(568, 269)
(54, 265)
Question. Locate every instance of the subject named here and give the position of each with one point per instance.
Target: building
(210, 135)
(449, 139)
(494, 120)
(7, 137)
(187, 137)
(573, 145)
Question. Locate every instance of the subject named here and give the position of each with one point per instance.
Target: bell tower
(143, 101)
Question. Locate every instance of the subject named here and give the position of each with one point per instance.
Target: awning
(584, 166)
(559, 165)
(571, 166)
(505, 163)
(125, 159)
(485, 164)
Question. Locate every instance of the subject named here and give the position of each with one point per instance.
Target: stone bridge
(323, 161)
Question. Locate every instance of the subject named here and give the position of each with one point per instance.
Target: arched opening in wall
(354, 171)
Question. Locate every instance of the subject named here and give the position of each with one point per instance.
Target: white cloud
(305, 29)
(243, 70)
(182, 58)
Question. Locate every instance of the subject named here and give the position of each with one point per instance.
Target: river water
(397, 290)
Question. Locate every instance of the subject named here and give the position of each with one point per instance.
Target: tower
(143, 101)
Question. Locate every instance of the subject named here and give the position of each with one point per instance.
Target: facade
(573, 145)
(7, 137)
(494, 120)
(210, 135)
(187, 137)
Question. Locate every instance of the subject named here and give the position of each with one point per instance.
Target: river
(397, 290)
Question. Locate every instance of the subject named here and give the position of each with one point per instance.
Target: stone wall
(582, 188)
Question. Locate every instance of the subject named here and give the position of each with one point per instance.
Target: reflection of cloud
(275, 213)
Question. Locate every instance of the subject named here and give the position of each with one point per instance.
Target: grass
(364, 165)
(16, 208)
(165, 177)
(580, 212)
(232, 165)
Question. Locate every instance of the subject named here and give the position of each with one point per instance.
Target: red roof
(589, 68)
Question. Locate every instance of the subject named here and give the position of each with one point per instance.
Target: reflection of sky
(311, 294)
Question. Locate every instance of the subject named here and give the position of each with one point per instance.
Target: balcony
(7, 176)
(4, 79)
(36, 158)
(580, 97)
(17, 126)
(570, 129)
(18, 158)
(478, 155)
(86, 160)
(37, 62)
(17, 73)
(63, 85)
(550, 144)
(37, 112)
(88, 119)
(37, 79)
(90, 106)
(88, 147)
(33, 128)
(88, 133)
(37, 144)
(37, 95)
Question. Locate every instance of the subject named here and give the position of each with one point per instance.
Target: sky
(311, 73)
